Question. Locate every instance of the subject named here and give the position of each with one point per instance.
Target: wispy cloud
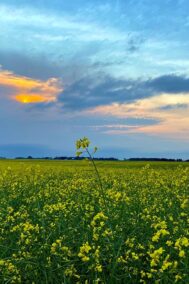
(171, 110)
(66, 26)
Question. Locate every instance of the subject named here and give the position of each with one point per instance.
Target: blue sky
(115, 71)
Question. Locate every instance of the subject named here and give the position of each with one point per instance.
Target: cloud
(173, 121)
(55, 33)
(76, 27)
(26, 90)
(160, 101)
(101, 89)
(33, 66)
(105, 96)
(169, 83)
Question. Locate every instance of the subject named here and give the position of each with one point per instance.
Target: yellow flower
(149, 275)
(169, 243)
(178, 277)
(143, 274)
(84, 257)
(84, 250)
(98, 268)
(182, 253)
(185, 203)
(185, 242)
(134, 256)
(166, 264)
(2, 262)
(153, 263)
(155, 238)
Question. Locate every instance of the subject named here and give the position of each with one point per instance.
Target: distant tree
(29, 157)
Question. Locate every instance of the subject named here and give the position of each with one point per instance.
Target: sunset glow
(170, 111)
(116, 71)
(26, 90)
(33, 98)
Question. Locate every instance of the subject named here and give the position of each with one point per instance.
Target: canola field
(57, 225)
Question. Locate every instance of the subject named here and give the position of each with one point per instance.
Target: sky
(116, 71)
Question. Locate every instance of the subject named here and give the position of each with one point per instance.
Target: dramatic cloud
(26, 90)
(124, 64)
(101, 90)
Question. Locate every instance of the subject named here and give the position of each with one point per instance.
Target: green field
(59, 226)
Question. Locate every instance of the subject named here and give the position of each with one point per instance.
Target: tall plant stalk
(83, 146)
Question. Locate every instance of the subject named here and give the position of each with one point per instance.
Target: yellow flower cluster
(57, 226)
(84, 251)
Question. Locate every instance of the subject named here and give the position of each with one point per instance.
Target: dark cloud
(90, 92)
(169, 84)
(36, 67)
(99, 90)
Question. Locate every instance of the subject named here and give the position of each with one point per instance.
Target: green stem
(96, 170)
(99, 179)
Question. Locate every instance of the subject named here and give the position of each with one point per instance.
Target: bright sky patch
(26, 90)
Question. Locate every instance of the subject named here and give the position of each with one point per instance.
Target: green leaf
(95, 149)
(79, 154)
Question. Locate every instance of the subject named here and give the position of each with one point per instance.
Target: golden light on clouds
(170, 111)
(33, 98)
(26, 90)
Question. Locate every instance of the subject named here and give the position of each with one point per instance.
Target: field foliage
(58, 226)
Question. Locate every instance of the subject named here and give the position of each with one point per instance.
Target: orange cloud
(26, 90)
(171, 111)
(33, 98)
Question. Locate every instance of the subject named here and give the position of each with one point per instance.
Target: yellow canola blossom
(57, 226)
(84, 251)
